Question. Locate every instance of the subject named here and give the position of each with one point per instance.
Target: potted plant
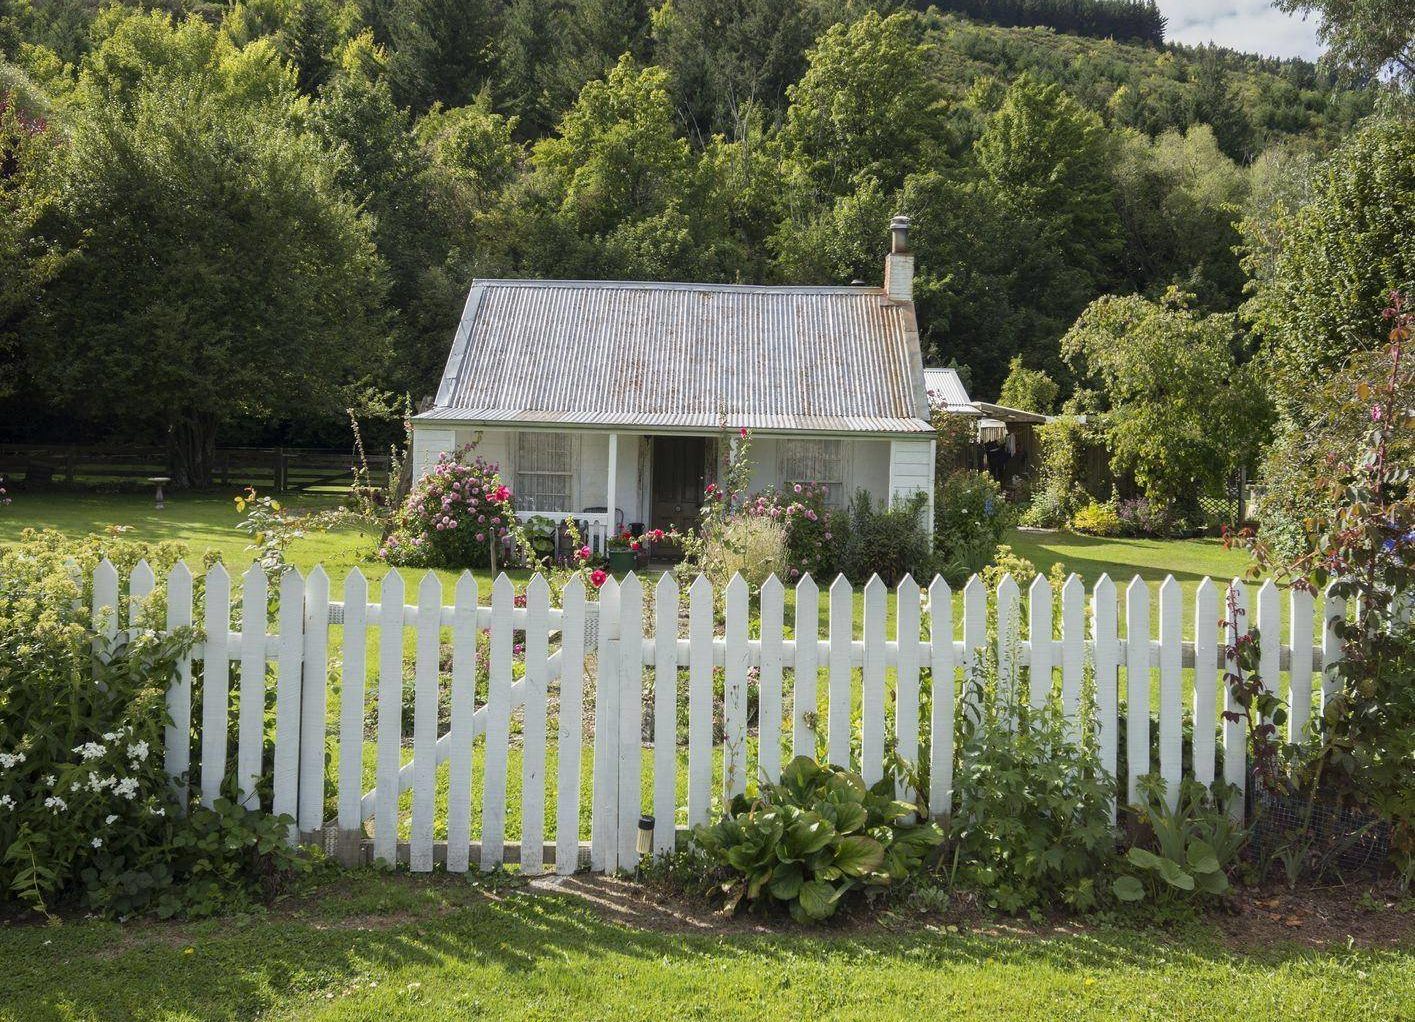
(623, 552)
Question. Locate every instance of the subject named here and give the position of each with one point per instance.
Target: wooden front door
(680, 472)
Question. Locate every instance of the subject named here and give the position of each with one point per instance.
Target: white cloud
(1251, 25)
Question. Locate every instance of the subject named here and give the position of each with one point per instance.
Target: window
(815, 461)
(543, 472)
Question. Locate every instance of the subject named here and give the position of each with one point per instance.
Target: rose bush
(453, 516)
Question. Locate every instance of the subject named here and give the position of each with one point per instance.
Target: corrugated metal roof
(946, 389)
(685, 356)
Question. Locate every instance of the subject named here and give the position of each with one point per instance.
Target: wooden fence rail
(279, 469)
(624, 667)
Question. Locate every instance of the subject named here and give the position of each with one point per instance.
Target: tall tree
(1176, 409)
(1048, 159)
(867, 106)
(216, 271)
(440, 50)
(1367, 36)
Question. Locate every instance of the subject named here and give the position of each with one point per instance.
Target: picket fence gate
(627, 636)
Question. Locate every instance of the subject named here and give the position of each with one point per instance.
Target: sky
(1251, 25)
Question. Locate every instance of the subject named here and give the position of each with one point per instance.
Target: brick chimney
(899, 264)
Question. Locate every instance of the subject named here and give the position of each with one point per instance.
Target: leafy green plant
(1033, 822)
(888, 542)
(1096, 519)
(1190, 849)
(811, 839)
(970, 518)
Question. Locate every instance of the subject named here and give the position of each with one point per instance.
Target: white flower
(138, 752)
(11, 759)
(96, 784)
(97, 842)
(90, 750)
(108, 821)
(112, 736)
(159, 811)
(56, 803)
(50, 780)
(7, 802)
(127, 788)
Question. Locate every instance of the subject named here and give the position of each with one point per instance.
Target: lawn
(371, 946)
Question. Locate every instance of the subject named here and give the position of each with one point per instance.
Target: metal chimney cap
(899, 233)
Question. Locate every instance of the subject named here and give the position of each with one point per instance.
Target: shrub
(87, 810)
(811, 839)
(1033, 822)
(1096, 519)
(1140, 516)
(452, 517)
(889, 542)
(753, 547)
(970, 517)
(1059, 491)
(812, 529)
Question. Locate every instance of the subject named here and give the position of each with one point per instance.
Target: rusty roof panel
(684, 356)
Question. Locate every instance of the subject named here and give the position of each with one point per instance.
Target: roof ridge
(668, 285)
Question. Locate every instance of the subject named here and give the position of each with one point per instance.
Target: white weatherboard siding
(911, 471)
(887, 470)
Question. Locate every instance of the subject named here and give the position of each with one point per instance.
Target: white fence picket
(941, 699)
(1269, 620)
(1206, 635)
(215, 683)
(498, 726)
(533, 727)
(1333, 610)
(1009, 638)
(178, 736)
(604, 816)
(1235, 750)
(906, 680)
(390, 717)
(1107, 662)
(665, 711)
(872, 687)
(425, 700)
(314, 700)
(1073, 651)
(1171, 688)
(140, 586)
(699, 701)
(734, 691)
(631, 718)
(1137, 685)
(463, 705)
(805, 704)
(769, 702)
(105, 599)
(287, 698)
(353, 686)
(572, 715)
(1039, 632)
(1299, 674)
(975, 631)
(250, 738)
(840, 675)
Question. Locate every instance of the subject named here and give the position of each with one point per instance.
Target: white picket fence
(630, 634)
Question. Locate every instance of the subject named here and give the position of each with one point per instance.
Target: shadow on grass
(440, 937)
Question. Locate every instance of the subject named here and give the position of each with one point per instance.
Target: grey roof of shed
(945, 387)
(686, 357)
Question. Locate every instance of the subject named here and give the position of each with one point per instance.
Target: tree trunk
(191, 451)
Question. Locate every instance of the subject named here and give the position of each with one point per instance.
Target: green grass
(375, 947)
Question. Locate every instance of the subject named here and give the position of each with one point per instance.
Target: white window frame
(815, 460)
(522, 474)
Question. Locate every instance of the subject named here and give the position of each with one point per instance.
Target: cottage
(617, 402)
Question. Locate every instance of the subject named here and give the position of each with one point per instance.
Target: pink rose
(598, 577)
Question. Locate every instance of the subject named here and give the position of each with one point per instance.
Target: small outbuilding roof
(946, 391)
(684, 357)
